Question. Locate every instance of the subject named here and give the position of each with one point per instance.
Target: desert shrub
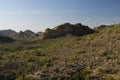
(117, 77)
(85, 74)
(111, 56)
(103, 52)
(8, 75)
(76, 76)
(39, 53)
(59, 78)
(109, 78)
(79, 51)
(108, 70)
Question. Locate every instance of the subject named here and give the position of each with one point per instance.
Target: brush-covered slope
(91, 57)
(66, 29)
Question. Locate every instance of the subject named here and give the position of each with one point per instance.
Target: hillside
(89, 57)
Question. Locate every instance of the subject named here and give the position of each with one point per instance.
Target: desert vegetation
(91, 57)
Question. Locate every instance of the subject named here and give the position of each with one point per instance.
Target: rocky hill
(65, 29)
(39, 33)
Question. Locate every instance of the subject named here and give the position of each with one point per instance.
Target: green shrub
(103, 52)
(39, 53)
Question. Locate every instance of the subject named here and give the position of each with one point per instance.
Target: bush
(39, 53)
(103, 52)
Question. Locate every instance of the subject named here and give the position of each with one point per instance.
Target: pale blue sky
(37, 15)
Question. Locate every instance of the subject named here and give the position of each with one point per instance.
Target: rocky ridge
(66, 29)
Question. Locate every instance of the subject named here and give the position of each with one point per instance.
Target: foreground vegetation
(91, 57)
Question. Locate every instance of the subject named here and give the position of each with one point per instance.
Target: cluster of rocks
(65, 29)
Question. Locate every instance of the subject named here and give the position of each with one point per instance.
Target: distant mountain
(26, 35)
(30, 33)
(22, 35)
(39, 33)
(8, 32)
(65, 29)
(5, 39)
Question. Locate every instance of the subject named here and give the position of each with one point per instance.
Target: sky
(37, 15)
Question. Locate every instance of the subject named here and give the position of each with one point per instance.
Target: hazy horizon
(37, 15)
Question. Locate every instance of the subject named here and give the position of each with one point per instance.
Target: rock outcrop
(65, 29)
